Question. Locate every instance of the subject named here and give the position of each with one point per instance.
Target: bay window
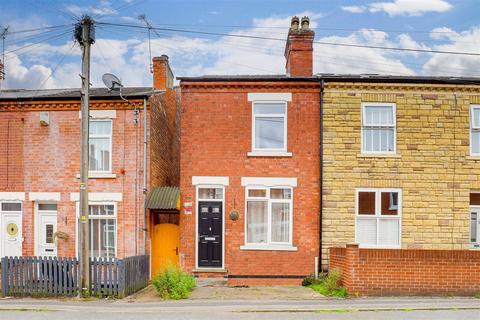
(378, 217)
(269, 216)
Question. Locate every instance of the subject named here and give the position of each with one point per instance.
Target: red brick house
(250, 166)
(39, 166)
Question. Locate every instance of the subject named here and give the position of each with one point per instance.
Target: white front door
(46, 226)
(11, 234)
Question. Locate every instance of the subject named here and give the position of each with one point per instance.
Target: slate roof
(331, 77)
(164, 198)
(73, 93)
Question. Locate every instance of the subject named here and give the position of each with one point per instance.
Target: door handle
(176, 250)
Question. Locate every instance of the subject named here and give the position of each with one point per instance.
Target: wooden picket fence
(30, 276)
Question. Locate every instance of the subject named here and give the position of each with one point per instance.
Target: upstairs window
(269, 126)
(475, 130)
(378, 128)
(100, 146)
(378, 218)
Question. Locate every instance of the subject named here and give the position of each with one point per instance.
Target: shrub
(328, 285)
(173, 283)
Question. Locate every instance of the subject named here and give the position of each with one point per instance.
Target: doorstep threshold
(214, 270)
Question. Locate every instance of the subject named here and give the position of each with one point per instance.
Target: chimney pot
(295, 23)
(305, 23)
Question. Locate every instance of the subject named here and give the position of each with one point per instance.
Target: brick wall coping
(246, 84)
(423, 254)
(404, 87)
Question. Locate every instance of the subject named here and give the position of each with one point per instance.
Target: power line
(54, 69)
(350, 45)
(54, 37)
(39, 29)
(389, 66)
(269, 50)
(316, 28)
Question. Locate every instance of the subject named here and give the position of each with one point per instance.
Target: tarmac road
(363, 308)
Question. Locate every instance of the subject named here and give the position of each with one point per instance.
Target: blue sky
(50, 58)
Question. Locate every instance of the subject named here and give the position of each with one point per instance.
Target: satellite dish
(112, 82)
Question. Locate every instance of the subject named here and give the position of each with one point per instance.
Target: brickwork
(47, 160)
(299, 51)
(11, 162)
(432, 165)
(216, 137)
(407, 271)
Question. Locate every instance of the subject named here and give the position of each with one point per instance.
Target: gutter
(322, 87)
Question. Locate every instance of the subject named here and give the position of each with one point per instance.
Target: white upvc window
(379, 128)
(102, 222)
(269, 126)
(378, 218)
(475, 219)
(269, 216)
(475, 130)
(100, 145)
(10, 206)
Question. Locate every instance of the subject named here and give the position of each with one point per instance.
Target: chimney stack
(299, 48)
(162, 74)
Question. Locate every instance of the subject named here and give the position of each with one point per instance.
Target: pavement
(394, 308)
(235, 293)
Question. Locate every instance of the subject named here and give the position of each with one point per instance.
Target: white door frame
(36, 228)
(197, 200)
(2, 227)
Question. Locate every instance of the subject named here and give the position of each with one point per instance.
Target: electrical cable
(350, 45)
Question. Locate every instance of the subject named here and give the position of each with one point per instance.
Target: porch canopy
(164, 199)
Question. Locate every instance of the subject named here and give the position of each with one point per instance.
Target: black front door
(210, 234)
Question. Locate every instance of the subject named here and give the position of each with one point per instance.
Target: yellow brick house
(401, 162)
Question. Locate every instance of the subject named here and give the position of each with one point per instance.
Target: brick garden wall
(407, 271)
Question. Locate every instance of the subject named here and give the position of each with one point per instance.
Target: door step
(211, 282)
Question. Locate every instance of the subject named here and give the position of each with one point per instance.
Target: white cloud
(443, 33)
(410, 7)
(102, 9)
(402, 7)
(456, 65)
(354, 9)
(128, 57)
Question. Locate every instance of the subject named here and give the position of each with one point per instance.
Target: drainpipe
(322, 86)
(144, 176)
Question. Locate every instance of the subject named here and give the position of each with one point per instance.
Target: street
(364, 308)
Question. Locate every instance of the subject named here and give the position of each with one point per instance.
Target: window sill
(474, 158)
(269, 154)
(378, 155)
(379, 247)
(214, 270)
(99, 175)
(269, 247)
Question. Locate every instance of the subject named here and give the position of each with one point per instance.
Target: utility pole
(84, 33)
(2, 63)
